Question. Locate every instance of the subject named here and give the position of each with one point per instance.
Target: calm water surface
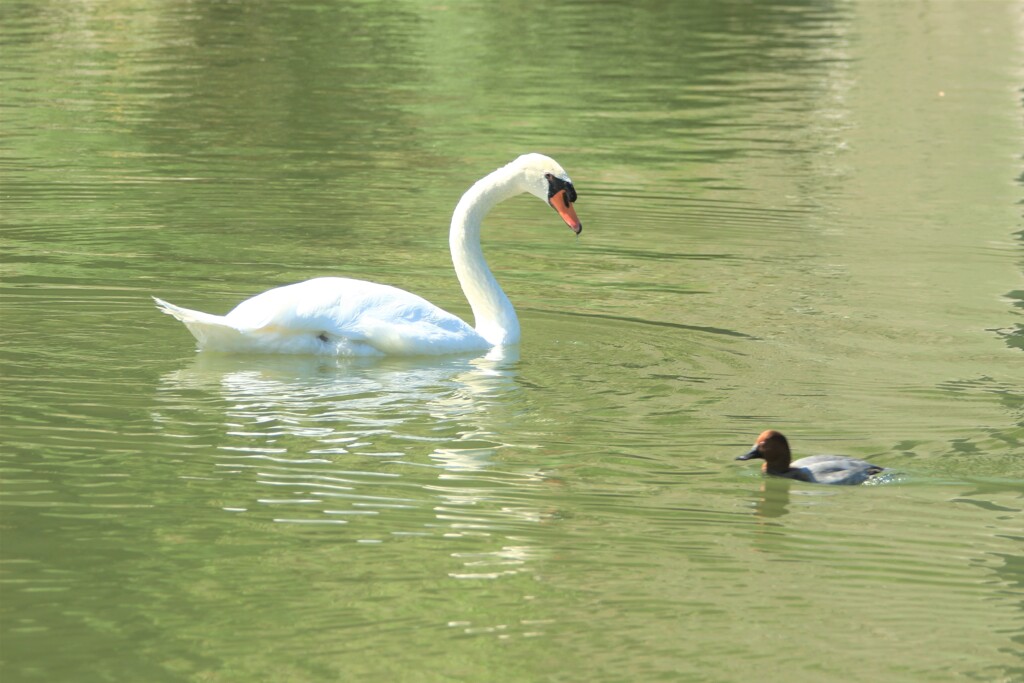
(802, 215)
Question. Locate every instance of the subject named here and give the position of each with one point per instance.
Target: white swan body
(344, 317)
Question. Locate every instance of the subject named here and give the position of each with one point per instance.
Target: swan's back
(332, 316)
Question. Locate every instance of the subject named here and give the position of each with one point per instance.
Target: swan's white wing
(341, 310)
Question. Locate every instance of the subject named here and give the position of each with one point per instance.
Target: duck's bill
(560, 203)
(752, 453)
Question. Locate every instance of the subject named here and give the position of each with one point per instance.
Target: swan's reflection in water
(389, 448)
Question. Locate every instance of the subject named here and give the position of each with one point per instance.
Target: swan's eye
(556, 185)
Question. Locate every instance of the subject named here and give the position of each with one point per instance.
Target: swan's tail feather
(210, 331)
(187, 315)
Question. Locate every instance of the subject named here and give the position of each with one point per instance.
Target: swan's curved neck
(495, 319)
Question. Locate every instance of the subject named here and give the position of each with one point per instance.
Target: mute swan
(343, 317)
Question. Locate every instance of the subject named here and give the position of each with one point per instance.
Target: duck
(773, 447)
(339, 316)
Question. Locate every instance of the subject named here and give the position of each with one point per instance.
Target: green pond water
(799, 214)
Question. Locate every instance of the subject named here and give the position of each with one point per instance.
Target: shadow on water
(1014, 335)
(662, 323)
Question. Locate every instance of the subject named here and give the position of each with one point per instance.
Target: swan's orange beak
(560, 203)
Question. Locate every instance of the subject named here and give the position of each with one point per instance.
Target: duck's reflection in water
(393, 447)
(773, 498)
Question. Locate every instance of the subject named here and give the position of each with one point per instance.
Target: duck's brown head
(773, 448)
